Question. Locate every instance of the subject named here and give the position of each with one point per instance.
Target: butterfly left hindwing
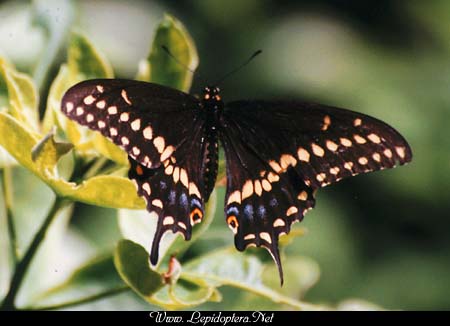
(162, 132)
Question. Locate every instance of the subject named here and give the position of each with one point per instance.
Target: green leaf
(104, 190)
(159, 67)
(108, 191)
(186, 293)
(132, 263)
(85, 61)
(58, 245)
(300, 273)
(56, 91)
(19, 95)
(17, 140)
(140, 226)
(49, 145)
(19, 98)
(96, 275)
(232, 268)
(4, 94)
(108, 149)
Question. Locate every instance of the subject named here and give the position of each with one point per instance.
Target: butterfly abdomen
(213, 105)
(210, 162)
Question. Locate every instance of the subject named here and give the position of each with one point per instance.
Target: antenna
(165, 49)
(255, 54)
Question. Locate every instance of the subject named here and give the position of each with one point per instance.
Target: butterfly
(278, 153)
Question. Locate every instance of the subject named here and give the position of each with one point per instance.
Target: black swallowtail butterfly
(278, 153)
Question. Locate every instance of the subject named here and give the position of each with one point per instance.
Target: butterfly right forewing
(147, 120)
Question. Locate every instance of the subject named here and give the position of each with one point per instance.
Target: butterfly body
(278, 153)
(213, 106)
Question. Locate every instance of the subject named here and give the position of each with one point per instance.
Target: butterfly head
(211, 94)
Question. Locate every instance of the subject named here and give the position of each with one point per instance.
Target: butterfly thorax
(211, 99)
(213, 107)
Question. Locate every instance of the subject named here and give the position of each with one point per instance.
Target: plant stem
(22, 267)
(88, 299)
(8, 197)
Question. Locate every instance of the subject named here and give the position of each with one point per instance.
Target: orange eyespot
(139, 170)
(233, 223)
(206, 96)
(196, 216)
(218, 98)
